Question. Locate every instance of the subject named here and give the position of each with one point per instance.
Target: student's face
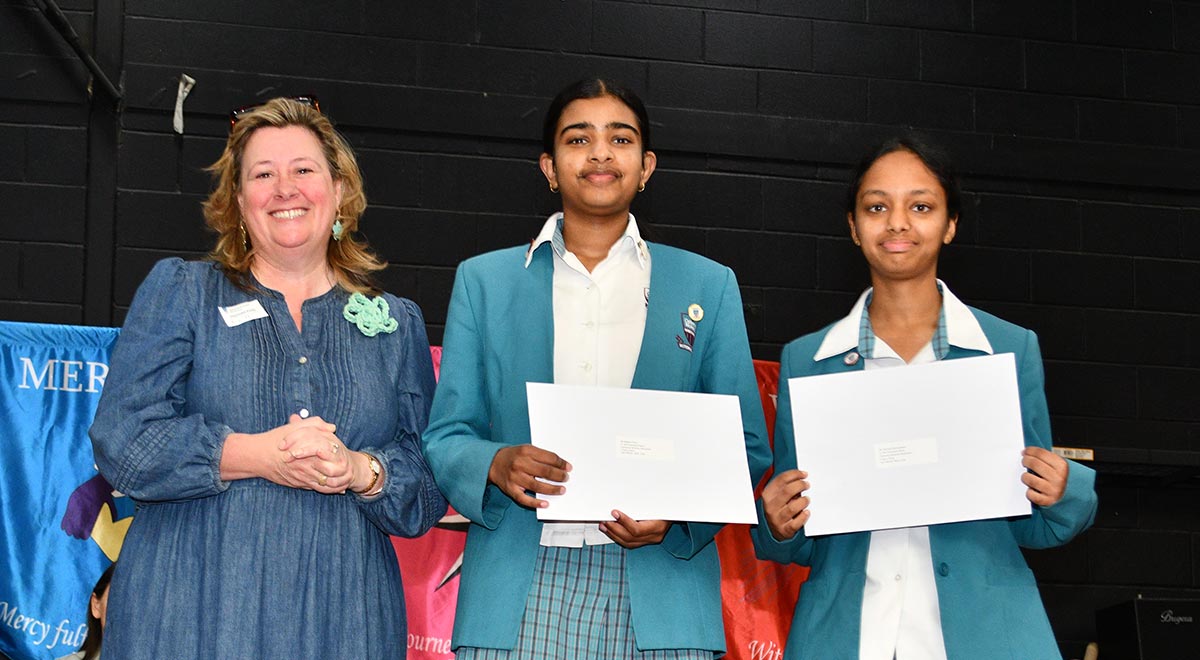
(598, 164)
(900, 218)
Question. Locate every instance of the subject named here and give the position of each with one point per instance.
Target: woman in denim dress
(264, 409)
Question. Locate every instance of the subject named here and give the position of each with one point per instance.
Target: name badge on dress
(235, 315)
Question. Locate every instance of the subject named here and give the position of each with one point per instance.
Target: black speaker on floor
(1150, 629)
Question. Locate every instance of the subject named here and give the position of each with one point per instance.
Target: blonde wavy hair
(351, 259)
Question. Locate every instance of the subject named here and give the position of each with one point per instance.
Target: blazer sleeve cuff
(1076, 510)
(685, 539)
(468, 488)
(794, 550)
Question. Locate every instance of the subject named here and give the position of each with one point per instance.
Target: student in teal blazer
(500, 335)
(968, 593)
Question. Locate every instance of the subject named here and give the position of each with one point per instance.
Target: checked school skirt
(578, 608)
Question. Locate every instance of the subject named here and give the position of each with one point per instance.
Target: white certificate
(909, 446)
(650, 454)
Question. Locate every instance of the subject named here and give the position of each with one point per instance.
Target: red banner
(757, 596)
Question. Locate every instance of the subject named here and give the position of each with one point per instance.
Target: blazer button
(851, 359)
(943, 569)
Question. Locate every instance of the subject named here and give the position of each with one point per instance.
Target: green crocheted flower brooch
(369, 314)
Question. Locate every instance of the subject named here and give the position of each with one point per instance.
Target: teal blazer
(499, 336)
(988, 597)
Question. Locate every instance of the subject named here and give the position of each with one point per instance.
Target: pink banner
(430, 565)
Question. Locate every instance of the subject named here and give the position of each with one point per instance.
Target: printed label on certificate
(662, 449)
(910, 452)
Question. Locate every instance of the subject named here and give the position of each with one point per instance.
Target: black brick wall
(1076, 124)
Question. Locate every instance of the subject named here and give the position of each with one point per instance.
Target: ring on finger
(333, 447)
(322, 480)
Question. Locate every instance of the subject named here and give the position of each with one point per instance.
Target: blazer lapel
(529, 322)
(662, 364)
(956, 353)
(850, 360)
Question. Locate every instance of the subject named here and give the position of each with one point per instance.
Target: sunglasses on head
(236, 114)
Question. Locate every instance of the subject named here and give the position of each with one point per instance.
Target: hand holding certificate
(921, 445)
(653, 455)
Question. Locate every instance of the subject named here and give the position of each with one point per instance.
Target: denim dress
(249, 568)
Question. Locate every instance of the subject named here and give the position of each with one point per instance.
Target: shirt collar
(552, 233)
(960, 326)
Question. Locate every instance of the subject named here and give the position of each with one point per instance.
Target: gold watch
(376, 470)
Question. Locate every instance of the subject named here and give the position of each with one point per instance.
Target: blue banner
(61, 523)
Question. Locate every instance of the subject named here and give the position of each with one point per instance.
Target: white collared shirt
(900, 614)
(599, 320)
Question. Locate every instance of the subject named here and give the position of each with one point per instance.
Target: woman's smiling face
(288, 197)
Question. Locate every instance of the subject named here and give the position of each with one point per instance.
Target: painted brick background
(1076, 124)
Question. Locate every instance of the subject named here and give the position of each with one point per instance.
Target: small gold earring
(245, 238)
(554, 189)
(642, 188)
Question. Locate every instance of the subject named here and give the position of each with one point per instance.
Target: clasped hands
(519, 470)
(310, 455)
(786, 506)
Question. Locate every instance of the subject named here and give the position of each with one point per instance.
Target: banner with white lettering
(60, 523)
